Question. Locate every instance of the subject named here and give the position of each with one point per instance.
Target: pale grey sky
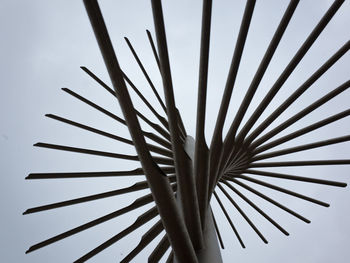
(43, 44)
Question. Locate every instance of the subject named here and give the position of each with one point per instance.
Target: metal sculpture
(185, 174)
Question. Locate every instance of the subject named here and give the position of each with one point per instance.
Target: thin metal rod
(136, 204)
(149, 135)
(151, 147)
(161, 190)
(260, 72)
(283, 190)
(318, 103)
(135, 187)
(295, 178)
(290, 68)
(145, 74)
(301, 163)
(179, 118)
(158, 116)
(256, 208)
(229, 219)
(159, 160)
(297, 93)
(201, 149)
(243, 214)
(170, 258)
(302, 131)
(186, 182)
(303, 147)
(154, 50)
(159, 250)
(217, 230)
(135, 172)
(155, 126)
(140, 221)
(147, 238)
(265, 197)
(139, 94)
(216, 147)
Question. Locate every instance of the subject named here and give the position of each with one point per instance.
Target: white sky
(42, 45)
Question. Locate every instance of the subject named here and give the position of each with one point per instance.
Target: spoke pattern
(183, 176)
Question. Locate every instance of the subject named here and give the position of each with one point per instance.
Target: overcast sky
(43, 44)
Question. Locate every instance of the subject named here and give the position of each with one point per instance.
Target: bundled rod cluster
(182, 174)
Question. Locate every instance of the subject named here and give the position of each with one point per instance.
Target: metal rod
(256, 208)
(243, 214)
(229, 219)
(140, 221)
(136, 204)
(301, 163)
(261, 71)
(161, 190)
(145, 74)
(156, 127)
(154, 50)
(265, 197)
(201, 149)
(216, 147)
(135, 187)
(160, 250)
(170, 258)
(283, 190)
(147, 238)
(186, 183)
(151, 147)
(297, 93)
(139, 94)
(159, 160)
(295, 178)
(135, 172)
(318, 103)
(303, 147)
(149, 135)
(217, 230)
(302, 131)
(290, 68)
(179, 118)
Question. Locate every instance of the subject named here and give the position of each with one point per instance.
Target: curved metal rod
(301, 163)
